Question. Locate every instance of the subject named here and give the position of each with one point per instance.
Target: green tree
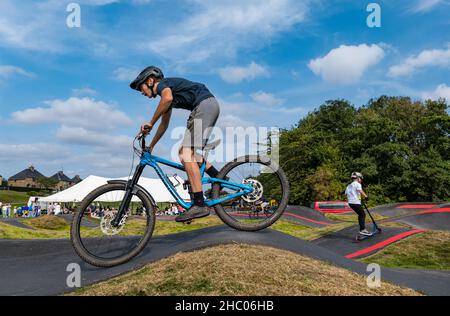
(47, 183)
(402, 147)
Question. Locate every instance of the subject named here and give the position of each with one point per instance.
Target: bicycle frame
(148, 159)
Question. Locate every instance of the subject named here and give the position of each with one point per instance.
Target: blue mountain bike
(116, 221)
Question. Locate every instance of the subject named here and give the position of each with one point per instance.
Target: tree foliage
(47, 183)
(401, 146)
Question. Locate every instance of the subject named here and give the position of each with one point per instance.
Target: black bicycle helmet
(148, 72)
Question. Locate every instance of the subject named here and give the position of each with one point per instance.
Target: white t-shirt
(352, 192)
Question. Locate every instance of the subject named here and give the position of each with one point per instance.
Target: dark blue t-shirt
(186, 94)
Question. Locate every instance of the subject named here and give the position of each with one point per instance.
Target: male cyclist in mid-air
(354, 192)
(178, 93)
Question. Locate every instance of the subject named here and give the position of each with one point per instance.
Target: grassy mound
(240, 270)
(47, 222)
(430, 250)
(12, 232)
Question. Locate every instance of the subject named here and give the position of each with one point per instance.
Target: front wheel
(97, 241)
(261, 208)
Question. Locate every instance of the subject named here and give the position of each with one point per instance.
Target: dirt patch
(239, 270)
(48, 222)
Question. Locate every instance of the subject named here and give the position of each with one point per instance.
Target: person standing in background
(354, 192)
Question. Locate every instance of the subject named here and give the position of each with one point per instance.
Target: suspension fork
(128, 195)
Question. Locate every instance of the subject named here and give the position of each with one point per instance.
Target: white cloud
(125, 74)
(83, 92)
(48, 158)
(75, 112)
(97, 2)
(37, 152)
(236, 75)
(425, 5)
(221, 27)
(347, 64)
(141, 2)
(83, 136)
(267, 99)
(441, 92)
(41, 26)
(427, 58)
(230, 120)
(7, 71)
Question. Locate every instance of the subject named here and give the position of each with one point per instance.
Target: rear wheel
(261, 208)
(97, 241)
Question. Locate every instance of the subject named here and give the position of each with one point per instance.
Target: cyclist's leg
(207, 114)
(199, 128)
(190, 164)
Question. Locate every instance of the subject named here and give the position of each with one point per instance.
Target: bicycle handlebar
(142, 136)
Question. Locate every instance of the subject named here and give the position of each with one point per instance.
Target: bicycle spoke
(100, 237)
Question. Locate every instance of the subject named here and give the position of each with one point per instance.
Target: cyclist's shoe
(365, 232)
(193, 213)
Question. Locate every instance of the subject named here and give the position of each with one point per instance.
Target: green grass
(13, 197)
(305, 232)
(353, 218)
(12, 232)
(430, 250)
(52, 227)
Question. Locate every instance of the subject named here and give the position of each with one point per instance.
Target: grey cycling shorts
(201, 123)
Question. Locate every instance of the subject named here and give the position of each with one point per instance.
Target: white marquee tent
(79, 191)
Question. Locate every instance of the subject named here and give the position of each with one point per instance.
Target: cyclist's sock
(212, 172)
(199, 199)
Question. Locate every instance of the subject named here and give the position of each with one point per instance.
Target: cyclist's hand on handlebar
(145, 130)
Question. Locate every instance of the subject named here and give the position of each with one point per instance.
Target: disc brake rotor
(107, 227)
(257, 193)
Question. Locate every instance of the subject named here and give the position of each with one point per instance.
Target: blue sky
(64, 96)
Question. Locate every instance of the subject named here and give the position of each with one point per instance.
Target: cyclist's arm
(163, 107)
(165, 120)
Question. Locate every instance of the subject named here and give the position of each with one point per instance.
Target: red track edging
(417, 206)
(436, 210)
(384, 243)
(307, 219)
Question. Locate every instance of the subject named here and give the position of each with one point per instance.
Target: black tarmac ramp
(344, 241)
(306, 216)
(403, 209)
(38, 267)
(428, 221)
(15, 222)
